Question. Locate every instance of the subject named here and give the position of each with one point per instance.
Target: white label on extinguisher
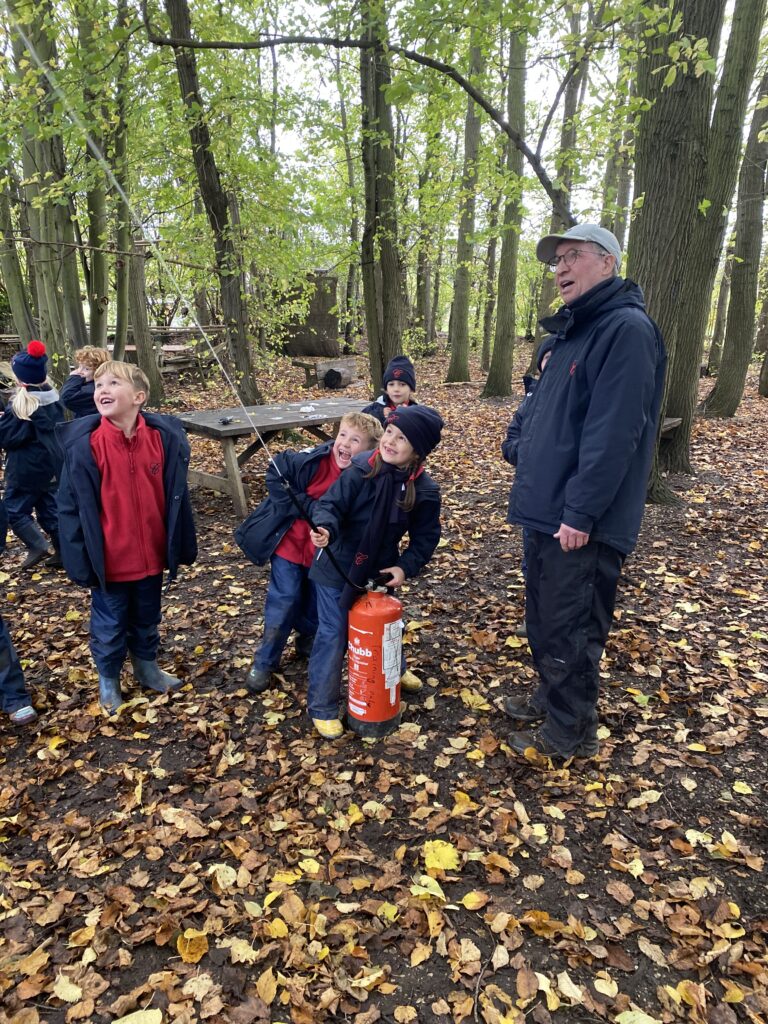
(391, 656)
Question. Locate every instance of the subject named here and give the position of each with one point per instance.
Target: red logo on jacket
(360, 558)
(573, 367)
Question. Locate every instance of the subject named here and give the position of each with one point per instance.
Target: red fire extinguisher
(375, 643)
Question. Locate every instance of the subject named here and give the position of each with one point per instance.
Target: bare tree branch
(558, 198)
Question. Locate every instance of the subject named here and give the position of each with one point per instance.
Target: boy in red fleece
(125, 517)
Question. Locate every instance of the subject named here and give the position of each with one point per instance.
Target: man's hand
(397, 574)
(570, 539)
(319, 537)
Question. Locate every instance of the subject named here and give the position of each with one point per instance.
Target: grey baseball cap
(545, 250)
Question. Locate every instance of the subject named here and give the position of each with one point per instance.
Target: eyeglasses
(570, 257)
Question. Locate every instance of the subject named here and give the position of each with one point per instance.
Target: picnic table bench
(229, 425)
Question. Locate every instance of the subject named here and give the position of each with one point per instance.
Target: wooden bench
(228, 425)
(316, 369)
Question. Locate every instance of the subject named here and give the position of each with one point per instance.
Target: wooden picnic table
(228, 425)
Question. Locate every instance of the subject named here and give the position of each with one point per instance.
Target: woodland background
(203, 857)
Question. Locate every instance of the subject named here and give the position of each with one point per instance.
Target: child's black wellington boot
(110, 695)
(150, 675)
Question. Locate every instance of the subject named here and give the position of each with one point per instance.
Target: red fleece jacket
(132, 500)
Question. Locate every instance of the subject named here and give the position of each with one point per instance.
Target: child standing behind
(14, 696)
(125, 516)
(399, 384)
(274, 531)
(77, 393)
(362, 519)
(27, 431)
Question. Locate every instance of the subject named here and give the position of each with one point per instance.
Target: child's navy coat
(266, 526)
(82, 541)
(345, 509)
(34, 456)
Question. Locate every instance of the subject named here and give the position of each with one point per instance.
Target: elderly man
(585, 449)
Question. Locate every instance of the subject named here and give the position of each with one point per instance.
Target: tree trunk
(12, 276)
(228, 258)
(725, 398)
(351, 291)
(617, 184)
(458, 367)
(723, 150)
(761, 330)
(499, 382)
(565, 157)
(718, 333)
(671, 146)
(762, 386)
(146, 356)
(490, 280)
(382, 267)
(96, 195)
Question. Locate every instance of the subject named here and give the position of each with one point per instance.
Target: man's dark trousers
(569, 601)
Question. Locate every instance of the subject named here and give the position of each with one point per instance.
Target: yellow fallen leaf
(387, 912)
(33, 962)
(742, 787)
(733, 994)
(420, 952)
(636, 1017)
(66, 990)
(405, 1014)
(276, 929)
(424, 887)
(56, 741)
(439, 854)
(266, 986)
(605, 985)
(141, 1017)
(474, 700)
(192, 946)
(475, 899)
(287, 877)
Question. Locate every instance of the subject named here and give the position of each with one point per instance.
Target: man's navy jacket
(588, 431)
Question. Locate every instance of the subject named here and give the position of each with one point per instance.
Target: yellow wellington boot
(410, 683)
(329, 728)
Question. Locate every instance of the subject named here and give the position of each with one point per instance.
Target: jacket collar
(588, 305)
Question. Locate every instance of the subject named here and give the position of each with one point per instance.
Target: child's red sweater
(132, 500)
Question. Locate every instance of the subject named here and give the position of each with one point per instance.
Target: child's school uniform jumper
(32, 468)
(345, 511)
(77, 396)
(124, 517)
(274, 532)
(383, 406)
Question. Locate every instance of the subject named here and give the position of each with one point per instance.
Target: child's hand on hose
(397, 574)
(319, 537)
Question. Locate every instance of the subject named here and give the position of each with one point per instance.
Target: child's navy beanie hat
(30, 366)
(420, 424)
(400, 368)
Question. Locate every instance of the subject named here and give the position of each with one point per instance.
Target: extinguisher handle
(377, 582)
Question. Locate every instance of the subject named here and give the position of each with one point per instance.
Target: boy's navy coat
(34, 456)
(345, 509)
(77, 395)
(381, 408)
(79, 498)
(587, 433)
(266, 526)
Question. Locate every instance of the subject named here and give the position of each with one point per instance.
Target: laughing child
(124, 517)
(275, 532)
(361, 520)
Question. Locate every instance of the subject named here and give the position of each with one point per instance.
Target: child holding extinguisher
(361, 520)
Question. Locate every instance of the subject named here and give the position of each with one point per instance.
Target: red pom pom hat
(30, 367)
